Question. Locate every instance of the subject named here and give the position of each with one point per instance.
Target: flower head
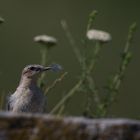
(1, 20)
(98, 35)
(45, 40)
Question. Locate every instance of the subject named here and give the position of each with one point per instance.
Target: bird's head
(32, 71)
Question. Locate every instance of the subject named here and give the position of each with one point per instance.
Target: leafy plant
(95, 104)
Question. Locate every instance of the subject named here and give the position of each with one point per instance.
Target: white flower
(45, 40)
(98, 35)
(1, 20)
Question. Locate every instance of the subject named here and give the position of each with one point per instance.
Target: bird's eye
(32, 68)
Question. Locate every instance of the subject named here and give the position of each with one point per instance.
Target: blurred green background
(26, 19)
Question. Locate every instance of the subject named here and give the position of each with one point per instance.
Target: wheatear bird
(28, 97)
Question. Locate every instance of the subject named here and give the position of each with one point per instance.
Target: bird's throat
(27, 82)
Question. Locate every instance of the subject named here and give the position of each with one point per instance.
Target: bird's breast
(27, 100)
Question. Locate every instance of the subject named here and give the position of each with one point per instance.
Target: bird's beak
(47, 68)
(54, 67)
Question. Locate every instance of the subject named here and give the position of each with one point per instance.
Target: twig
(58, 80)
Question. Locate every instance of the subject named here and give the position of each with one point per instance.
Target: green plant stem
(67, 96)
(92, 16)
(61, 110)
(95, 57)
(91, 66)
(44, 52)
(118, 78)
(79, 83)
(93, 89)
(89, 84)
(71, 40)
(126, 58)
(132, 29)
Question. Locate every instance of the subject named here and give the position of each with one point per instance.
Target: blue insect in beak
(54, 67)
